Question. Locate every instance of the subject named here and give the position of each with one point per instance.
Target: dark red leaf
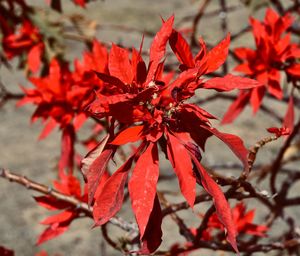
(181, 49)
(94, 165)
(142, 186)
(234, 143)
(222, 207)
(67, 150)
(181, 162)
(50, 203)
(6, 252)
(110, 199)
(110, 80)
(153, 233)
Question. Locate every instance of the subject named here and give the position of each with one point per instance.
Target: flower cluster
(61, 97)
(146, 105)
(274, 54)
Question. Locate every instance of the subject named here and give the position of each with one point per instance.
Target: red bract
(60, 222)
(26, 40)
(147, 106)
(242, 220)
(62, 96)
(274, 54)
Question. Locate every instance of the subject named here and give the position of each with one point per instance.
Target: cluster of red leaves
(243, 221)
(146, 105)
(60, 222)
(20, 37)
(61, 97)
(274, 54)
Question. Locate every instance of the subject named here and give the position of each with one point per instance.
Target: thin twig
(81, 206)
(196, 22)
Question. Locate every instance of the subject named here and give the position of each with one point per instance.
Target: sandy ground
(21, 152)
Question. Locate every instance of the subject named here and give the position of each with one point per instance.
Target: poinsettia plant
(275, 54)
(135, 112)
(147, 106)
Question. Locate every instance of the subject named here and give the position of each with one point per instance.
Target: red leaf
(48, 128)
(181, 49)
(290, 115)
(142, 186)
(34, 57)
(279, 131)
(256, 97)
(234, 143)
(181, 162)
(139, 68)
(131, 134)
(153, 234)
(110, 200)
(236, 107)
(217, 56)
(57, 218)
(222, 207)
(158, 47)
(67, 149)
(119, 64)
(230, 82)
(110, 80)
(93, 166)
(51, 232)
(50, 203)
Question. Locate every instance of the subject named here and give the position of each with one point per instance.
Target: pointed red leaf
(67, 150)
(153, 234)
(142, 186)
(51, 124)
(131, 134)
(50, 203)
(236, 107)
(217, 56)
(290, 115)
(222, 206)
(181, 162)
(110, 200)
(60, 217)
(234, 143)
(93, 166)
(119, 64)
(230, 82)
(51, 232)
(181, 49)
(110, 80)
(158, 47)
(34, 57)
(256, 97)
